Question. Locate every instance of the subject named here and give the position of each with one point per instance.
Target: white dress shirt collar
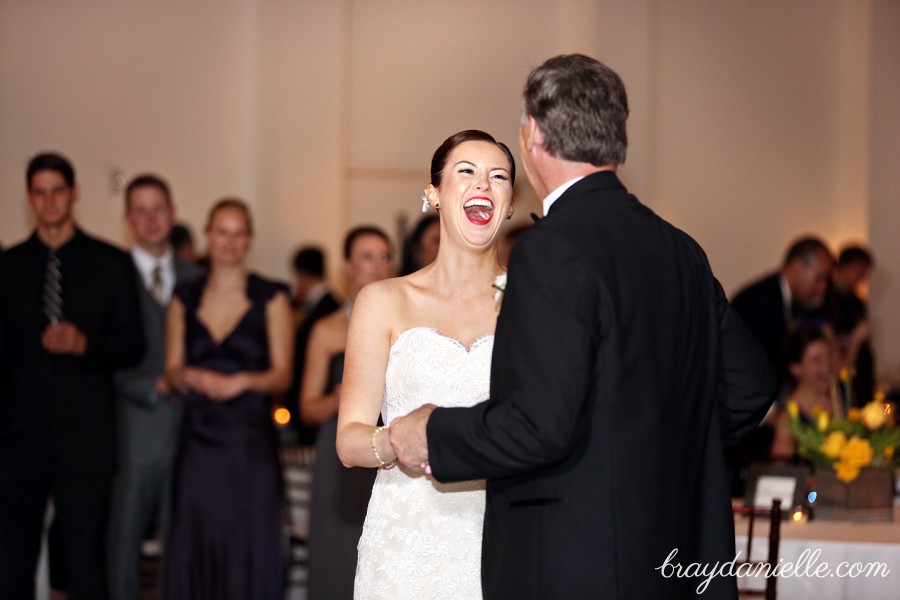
(555, 194)
(786, 298)
(146, 263)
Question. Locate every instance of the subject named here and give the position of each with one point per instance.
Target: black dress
(226, 541)
(340, 497)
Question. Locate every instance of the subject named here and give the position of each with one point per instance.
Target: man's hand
(409, 440)
(64, 338)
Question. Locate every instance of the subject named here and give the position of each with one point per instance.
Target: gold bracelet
(384, 465)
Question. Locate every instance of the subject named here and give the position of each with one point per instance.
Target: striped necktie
(53, 302)
(156, 284)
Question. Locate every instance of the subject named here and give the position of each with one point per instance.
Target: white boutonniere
(500, 286)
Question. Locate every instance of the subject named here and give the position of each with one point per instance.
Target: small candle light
(281, 416)
(799, 516)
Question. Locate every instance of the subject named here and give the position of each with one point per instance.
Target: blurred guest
(148, 418)
(421, 246)
(182, 242)
(796, 293)
(809, 370)
(770, 307)
(848, 316)
(339, 496)
(312, 300)
(310, 287)
(509, 240)
(228, 349)
(69, 317)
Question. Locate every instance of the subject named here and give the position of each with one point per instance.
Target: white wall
(752, 122)
(884, 174)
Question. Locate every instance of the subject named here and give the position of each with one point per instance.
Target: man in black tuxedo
(148, 415)
(797, 291)
(68, 318)
(619, 373)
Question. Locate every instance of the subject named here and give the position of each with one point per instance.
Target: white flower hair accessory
(499, 285)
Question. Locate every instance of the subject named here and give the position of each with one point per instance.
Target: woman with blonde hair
(229, 346)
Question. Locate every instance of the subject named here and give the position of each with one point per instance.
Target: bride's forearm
(354, 446)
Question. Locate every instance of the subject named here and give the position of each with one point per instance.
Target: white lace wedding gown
(422, 538)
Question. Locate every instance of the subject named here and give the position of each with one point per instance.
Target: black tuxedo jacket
(61, 408)
(761, 306)
(619, 373)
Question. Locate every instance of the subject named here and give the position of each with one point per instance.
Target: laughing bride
(427, 338)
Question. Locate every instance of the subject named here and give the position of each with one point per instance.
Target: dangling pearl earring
(425, 200)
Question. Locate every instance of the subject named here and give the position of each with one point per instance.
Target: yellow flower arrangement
(868, 437)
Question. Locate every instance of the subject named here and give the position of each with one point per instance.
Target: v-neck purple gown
(226, 541)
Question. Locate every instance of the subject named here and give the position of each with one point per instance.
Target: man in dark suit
(69, 318)
(313, 300)
(768, 307)
(148, 417)
(619, 373)
(797, 291)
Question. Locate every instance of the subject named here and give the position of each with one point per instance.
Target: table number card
(770, 487)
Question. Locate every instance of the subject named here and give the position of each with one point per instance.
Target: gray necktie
(156, 285)
(53, 302)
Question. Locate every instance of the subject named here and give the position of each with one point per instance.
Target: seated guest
(795, 293)
(769, 306)
(848, 316)
(312, 301)
(809, 369)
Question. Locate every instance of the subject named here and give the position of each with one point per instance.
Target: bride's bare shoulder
(386, 297)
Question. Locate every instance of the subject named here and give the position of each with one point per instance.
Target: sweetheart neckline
(475, 343)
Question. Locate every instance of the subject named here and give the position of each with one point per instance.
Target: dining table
(829, 559)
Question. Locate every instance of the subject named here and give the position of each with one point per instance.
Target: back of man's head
(310, 261)
(853, 255)
(580, 106)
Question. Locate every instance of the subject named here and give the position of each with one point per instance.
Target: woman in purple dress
(229, 348)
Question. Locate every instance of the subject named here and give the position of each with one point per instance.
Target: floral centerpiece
(865, 437)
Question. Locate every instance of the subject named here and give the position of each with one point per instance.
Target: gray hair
(580, 106)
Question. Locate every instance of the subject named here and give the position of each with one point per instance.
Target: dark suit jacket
(59, 407)
(761, 306)
(619, 373)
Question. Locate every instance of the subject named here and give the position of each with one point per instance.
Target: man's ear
(534, 135)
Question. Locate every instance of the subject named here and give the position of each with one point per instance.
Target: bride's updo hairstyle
(439, 160)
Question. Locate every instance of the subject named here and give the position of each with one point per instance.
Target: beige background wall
(752, 122)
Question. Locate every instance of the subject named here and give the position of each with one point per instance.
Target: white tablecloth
(829, 544)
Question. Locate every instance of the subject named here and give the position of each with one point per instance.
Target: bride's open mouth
(479, 210)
